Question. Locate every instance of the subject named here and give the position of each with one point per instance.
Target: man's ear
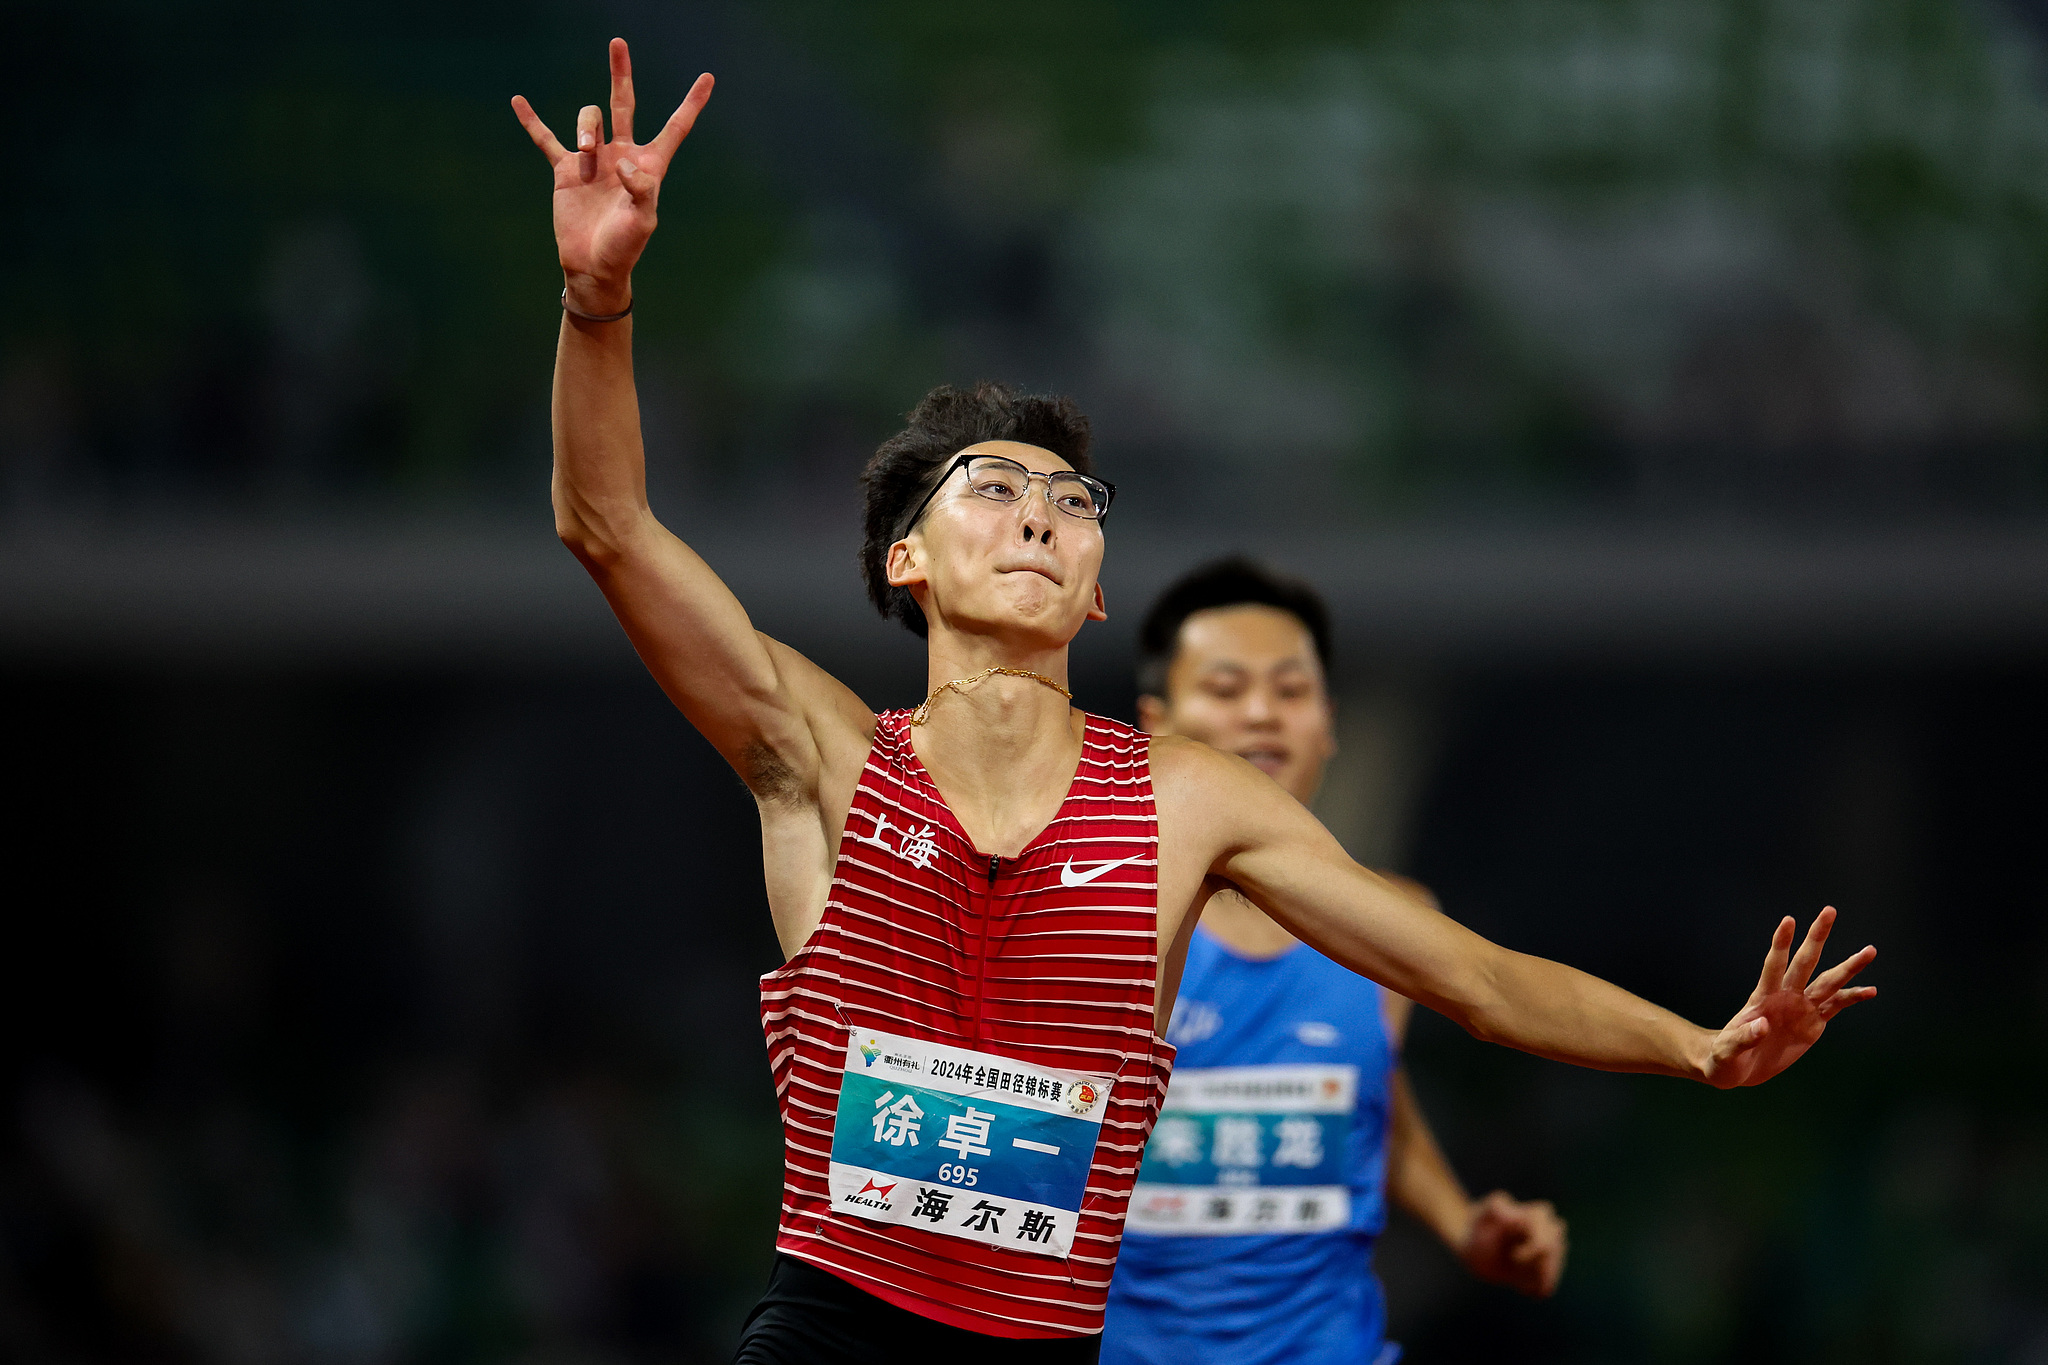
(1152, 715)
(1100, 611)
(904, 564)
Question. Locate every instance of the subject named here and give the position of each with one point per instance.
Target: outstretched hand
(605, 192)
(1786, 1014)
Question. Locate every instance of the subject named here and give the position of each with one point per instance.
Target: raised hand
(1786, 1014)
(1519, 1245)
(605, 192)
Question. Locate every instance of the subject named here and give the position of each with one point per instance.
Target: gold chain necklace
(924, 712)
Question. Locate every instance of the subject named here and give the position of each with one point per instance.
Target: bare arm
(1258, 838)
(1501, 1239)
(766, 708)
(1419, 1176)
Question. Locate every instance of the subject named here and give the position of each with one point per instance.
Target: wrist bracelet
(593, 317)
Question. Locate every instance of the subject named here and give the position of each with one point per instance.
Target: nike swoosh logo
(1069, 877)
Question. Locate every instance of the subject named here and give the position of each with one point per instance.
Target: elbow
(1481, 1008)
(1487, 1027)
(1504, 996)
(593, 551)
(597, 541)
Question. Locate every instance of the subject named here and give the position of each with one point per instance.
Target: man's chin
(1025, 626)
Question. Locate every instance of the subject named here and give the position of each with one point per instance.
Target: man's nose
(1259, 708)
(1035, 514)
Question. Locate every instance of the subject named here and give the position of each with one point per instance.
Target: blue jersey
(1263, 1189)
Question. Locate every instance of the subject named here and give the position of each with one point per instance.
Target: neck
(999, 715)
(1001, 708)
(1002, 751)
(951, 654)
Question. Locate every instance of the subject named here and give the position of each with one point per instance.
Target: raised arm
(1250, 833)
(766, 708)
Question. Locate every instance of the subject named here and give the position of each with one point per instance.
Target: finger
(1774, 961)
(1536, 1270)
(1809, 951)
(1841, 974)
(642, 186)
(538, 131)
(622, 92)
(1545, 1258)
(685, 117)
(1545, 1229)
(1843, 999)
(589, 128)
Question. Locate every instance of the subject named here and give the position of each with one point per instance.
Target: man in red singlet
(985, 902)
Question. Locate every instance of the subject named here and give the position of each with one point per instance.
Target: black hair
(945, 422)
(1232, 582)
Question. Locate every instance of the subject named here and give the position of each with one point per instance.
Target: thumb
(1737, 1039)
(642, 186)
(1749, 1035)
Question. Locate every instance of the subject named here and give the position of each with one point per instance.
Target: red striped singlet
(924, 937)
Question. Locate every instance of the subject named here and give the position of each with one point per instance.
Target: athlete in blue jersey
(1290, 1124)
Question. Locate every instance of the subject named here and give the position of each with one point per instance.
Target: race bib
(968, 1144)
(1249, 1149)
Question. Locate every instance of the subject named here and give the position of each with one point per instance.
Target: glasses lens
(1002, 480)
(1078, 495)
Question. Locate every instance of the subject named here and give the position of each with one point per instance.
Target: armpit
(770, 777)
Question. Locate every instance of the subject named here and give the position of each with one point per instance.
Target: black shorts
(812, 1317)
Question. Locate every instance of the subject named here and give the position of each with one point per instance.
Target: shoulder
(1216, 790)
(1176, 758)
(797, 671)
(834, 712)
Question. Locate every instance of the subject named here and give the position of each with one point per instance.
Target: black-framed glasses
(1000, 479)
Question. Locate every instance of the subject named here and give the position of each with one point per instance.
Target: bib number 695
(960, 1175)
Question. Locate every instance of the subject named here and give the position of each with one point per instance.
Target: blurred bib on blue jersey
(967, 1144)
(1249, 1149)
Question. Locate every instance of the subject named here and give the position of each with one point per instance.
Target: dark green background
(403, 1011)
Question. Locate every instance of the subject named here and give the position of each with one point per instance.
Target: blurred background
(1657, 387)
